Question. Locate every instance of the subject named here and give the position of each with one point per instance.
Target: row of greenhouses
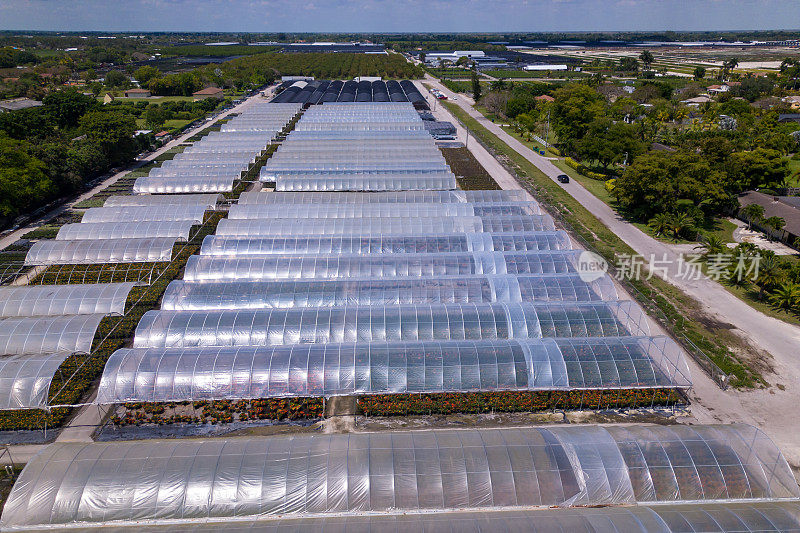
(396, 296)
(43, 325)
(315, 478)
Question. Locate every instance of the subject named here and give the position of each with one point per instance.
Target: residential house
(137, 93)
(209, 92)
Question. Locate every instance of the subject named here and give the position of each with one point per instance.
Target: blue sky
(398, 15)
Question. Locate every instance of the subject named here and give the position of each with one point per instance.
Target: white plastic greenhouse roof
(55, 300)
(52, 252)
(738, 517)
(235, 294)
(415, 210)
(206, 200)
(47, 335)
(186, 184)
(25, 379)
(122, 230)
(275, 327)
(306, 370)
(473, 242)
(397, 197)
(364, 182)
(385, 225)
(394, 472)
(174, 213)
(337, 266)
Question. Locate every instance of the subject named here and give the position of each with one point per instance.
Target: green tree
(146, 73)
(115, 78)
(575, 107)
(786, 296)
(753, 213)
(608, 142)
(761, 167)
(657, 182)
(776, 223)
(112, 131)
(699, 72)
(628, 64)
(660, 223)
(770, 274)
(23, 181)
(713, 244)
(476, 86)
(67, 106)
(681, 224)
(646, 57)
(154, 117)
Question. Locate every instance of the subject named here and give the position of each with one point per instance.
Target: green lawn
(168, 125)
(794, 166)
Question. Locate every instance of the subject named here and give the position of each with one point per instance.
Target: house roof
(208, 90)
(137, 91)
(774, 207)
(19, 103)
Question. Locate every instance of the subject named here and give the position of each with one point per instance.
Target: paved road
(773, 336)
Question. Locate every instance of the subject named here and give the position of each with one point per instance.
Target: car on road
(563, 178)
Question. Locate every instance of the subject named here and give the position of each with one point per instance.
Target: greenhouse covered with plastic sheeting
(363, 182)
(274, 327)
(385, 226)
(739, 517)
(44, 335)
(398, 197)
(395, 472)
(124, 230)
(192, 296)
(25, 379)
(220, 268)
(415, 210)
(307, 370)
(187, 184)
(41, 300)
(145, 214)
(52, 252)
(209, 201)
(422, 244)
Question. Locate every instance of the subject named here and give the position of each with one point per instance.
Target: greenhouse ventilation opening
(396, 472)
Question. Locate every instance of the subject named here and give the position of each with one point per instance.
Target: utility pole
(547, 131)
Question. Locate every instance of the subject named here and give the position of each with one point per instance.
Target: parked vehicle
(563, 178)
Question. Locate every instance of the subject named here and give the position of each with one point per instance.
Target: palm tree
(753, 213)
(776, 223)
(770, 274)
(787, 297)
(680, 223)
(660, 223)
(647, 58)
(713, 244)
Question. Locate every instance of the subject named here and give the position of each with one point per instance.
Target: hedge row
(513, 401)
(584, 170)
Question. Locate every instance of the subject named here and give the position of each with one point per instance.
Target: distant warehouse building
(544, 67)
(137, 93)
(208, 92)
